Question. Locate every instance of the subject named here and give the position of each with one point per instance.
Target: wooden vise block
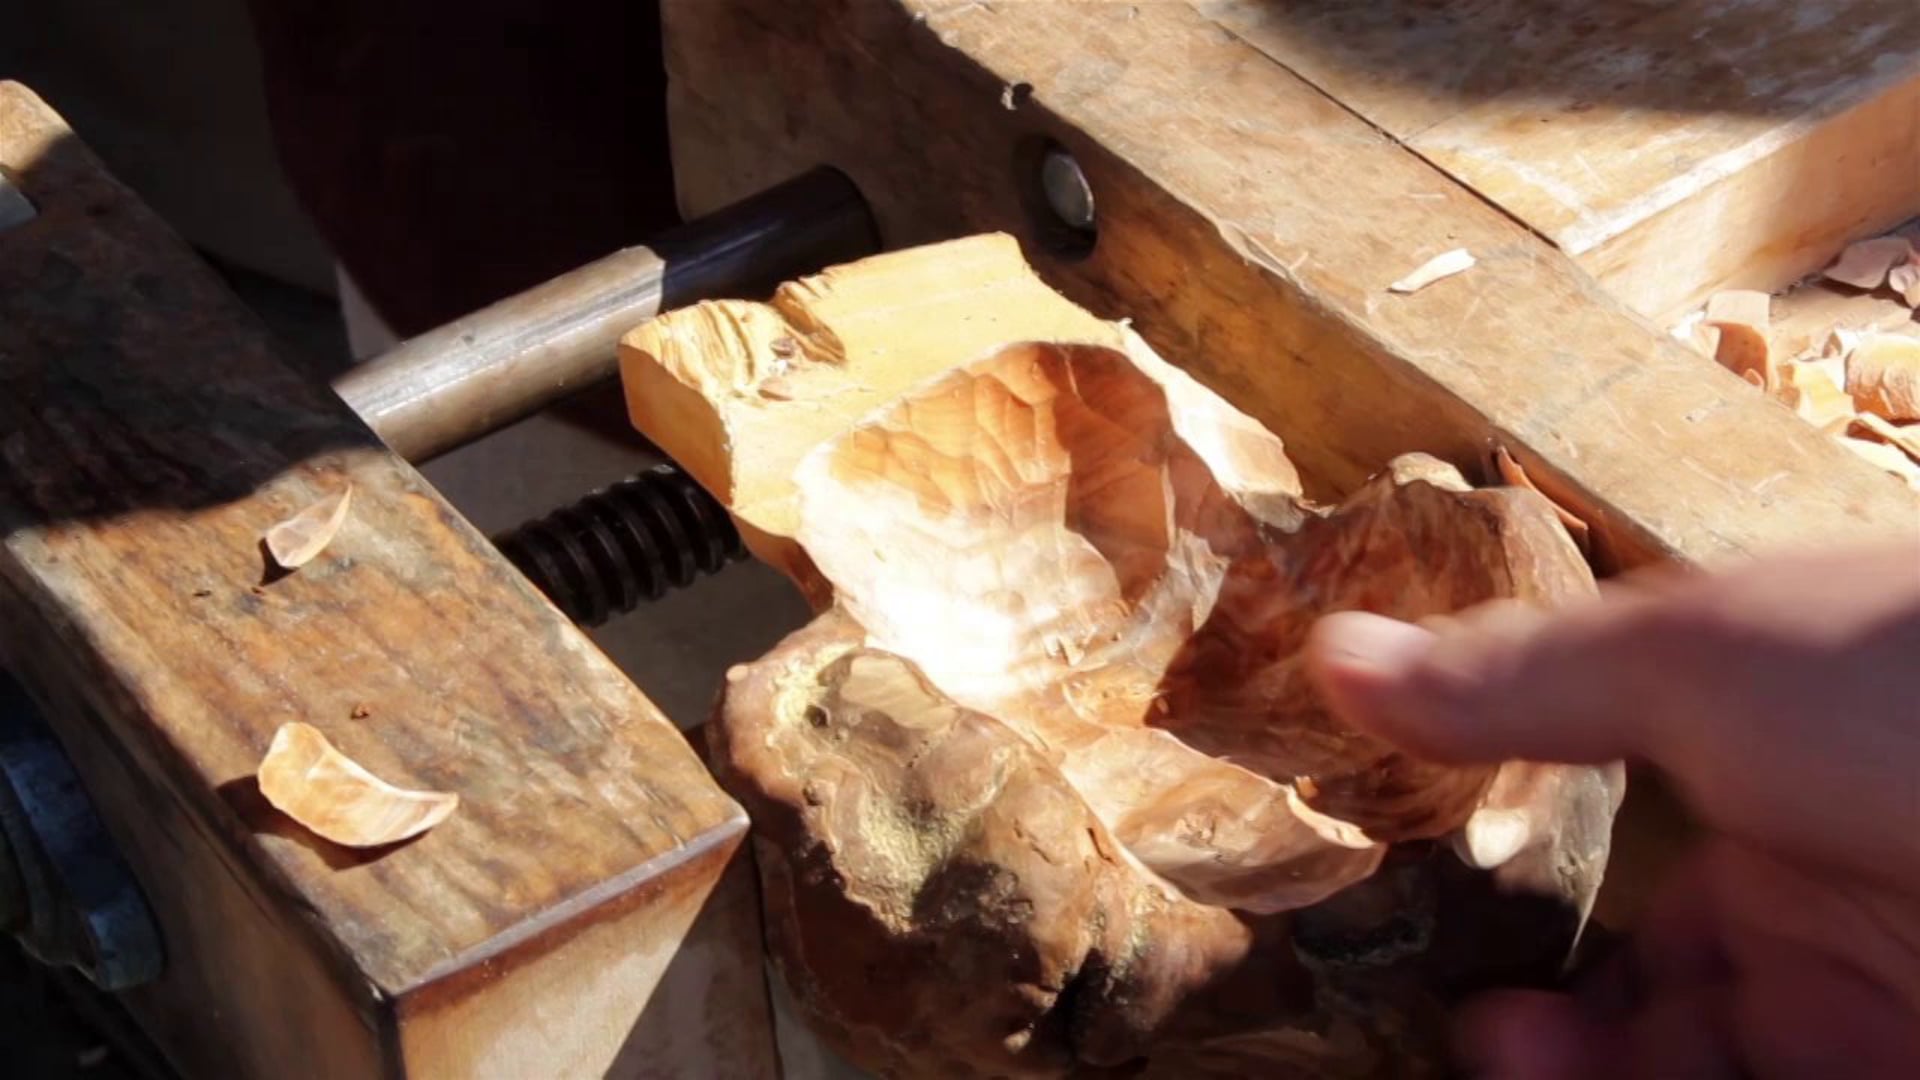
(1261, 173)
(574, 917)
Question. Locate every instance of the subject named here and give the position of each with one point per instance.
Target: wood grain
(1250, 225)
(1673, 148)
(149, 438)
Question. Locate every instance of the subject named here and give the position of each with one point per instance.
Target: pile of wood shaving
(1859, 384)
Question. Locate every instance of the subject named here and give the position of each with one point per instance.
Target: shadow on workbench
(1409, 64)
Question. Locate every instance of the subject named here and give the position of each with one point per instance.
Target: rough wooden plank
(149, 438)
(1673, 148)
(1250, 225)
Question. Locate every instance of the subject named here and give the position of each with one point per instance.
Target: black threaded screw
(625, 543)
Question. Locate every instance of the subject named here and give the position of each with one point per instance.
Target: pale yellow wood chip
(1809, 388)
(310, 781)
(1883, 376)
(1886, 457)
(1904, 436)
(1440, 266)
(1864, 265)
(299, 539)
(1514, 475)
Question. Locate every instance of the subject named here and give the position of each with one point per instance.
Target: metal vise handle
(480, 373)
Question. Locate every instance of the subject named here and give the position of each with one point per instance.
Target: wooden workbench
(1263, 170)
(575, 917)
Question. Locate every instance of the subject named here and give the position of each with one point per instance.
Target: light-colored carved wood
(1048, 756)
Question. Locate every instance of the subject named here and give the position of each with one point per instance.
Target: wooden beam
(1250, 225)
(149, 438)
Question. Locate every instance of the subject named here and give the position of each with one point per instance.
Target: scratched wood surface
(1250, 224)
(1672, 146)
(149, 437)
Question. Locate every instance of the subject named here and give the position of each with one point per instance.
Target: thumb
(1504, 681)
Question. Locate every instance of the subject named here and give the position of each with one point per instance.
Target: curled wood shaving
(1883, 376)
(1440, 266)
(310, 781)
(1742, 316)
(1864, 265)
(299, 539)
(1514, 475)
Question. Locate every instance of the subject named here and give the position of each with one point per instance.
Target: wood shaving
(1839, 342)
(1740, 307)
(1705, 340)
(1905, 280)
(1742, 316)
(1904, 436)
(310, 781)
(1810, 390)
(1883, 376)
(1514, 475)
(1864, 265)
(1886, 457)
(1440, 266)
(298, 540)
(1854, 381)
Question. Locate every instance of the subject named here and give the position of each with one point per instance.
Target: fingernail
(1373, 644)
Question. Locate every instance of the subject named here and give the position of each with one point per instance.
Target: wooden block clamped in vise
(1046, 757)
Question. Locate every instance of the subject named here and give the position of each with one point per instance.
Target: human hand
(1783, 702)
